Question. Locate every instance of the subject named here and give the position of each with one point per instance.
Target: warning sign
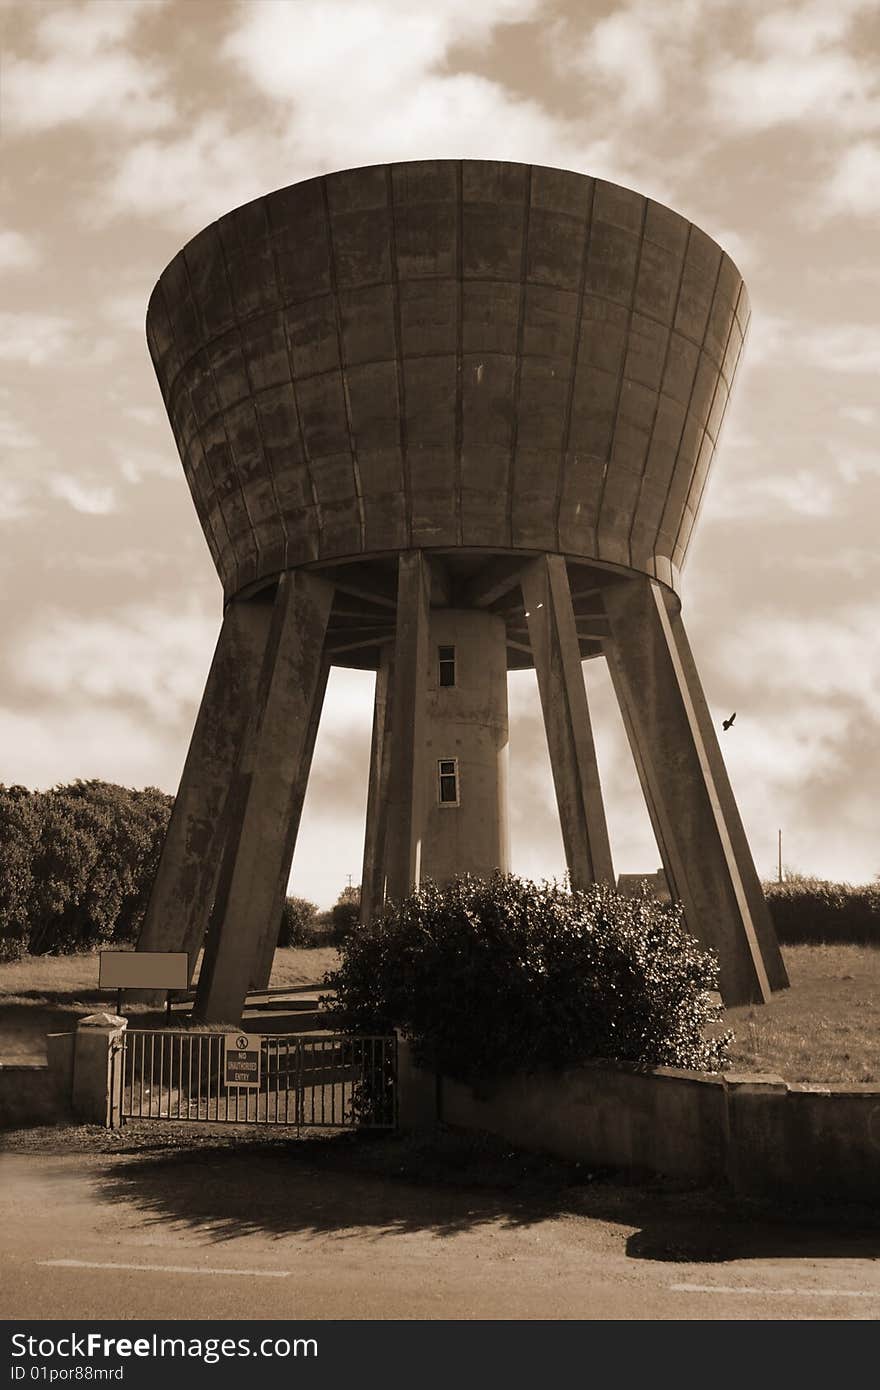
(242, 1059)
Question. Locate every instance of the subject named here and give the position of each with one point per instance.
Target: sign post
(242, 1059)
(122, 970)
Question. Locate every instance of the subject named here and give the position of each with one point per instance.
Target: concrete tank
(447, 404)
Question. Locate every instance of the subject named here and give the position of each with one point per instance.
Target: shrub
(77, 864)
(811, 910)
(490, 978)
(298, 923)
(345, 914)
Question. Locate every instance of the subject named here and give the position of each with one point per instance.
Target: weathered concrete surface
(373, 872)
(442, 353)
(758, 1134)
(263, 967)
(467, 722)
(757, 903)
(556, 653)
(29, 1095)
(820, 1142)
(97, 1075)
(406, 783)
(267, 790)
(466, 365)
(183, 889)
(669, 746)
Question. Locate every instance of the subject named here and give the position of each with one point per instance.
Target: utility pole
(780, 856)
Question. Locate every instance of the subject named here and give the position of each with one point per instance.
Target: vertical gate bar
(189, 1075)
(162, 1077)
(152, 1086)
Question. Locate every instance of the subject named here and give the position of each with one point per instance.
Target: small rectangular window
(447, 778)
(446, 665)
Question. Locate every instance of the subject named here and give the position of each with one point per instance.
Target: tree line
(76, 865)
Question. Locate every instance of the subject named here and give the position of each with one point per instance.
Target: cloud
(33, 338)
(635, 52)
(144, 415)
(736, 496)
(397, 101)
(193, 177)
(860, 414)
(137, 464)
(138, 658)
(825, 657)
(297, 52)
(854, 464)
(14, 499)
(57, 745)
(14, 433)
(842, 347)
(93, 499)
(838, 346)
(17, 252)
(854, 185)
(83, 72)
(802, 72)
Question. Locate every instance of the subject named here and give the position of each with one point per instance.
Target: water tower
(441, 420)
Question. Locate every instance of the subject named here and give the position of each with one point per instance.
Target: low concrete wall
(758, 1134)
(29, 1095)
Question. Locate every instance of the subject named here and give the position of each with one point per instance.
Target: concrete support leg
(556, 653)
(183, 889)
(373, 874)
(406, 788)
(263, 967)
(670, 746)
(757, 903)
(267, 786)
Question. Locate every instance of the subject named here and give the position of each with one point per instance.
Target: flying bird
(726, 723)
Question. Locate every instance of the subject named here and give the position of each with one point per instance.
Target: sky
(127, 125)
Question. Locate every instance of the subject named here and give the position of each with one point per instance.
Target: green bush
(298, 924)
(490, 978)
(345, 914)
(76, 865)
(811, 910)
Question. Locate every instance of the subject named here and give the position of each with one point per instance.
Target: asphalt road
(216, 1233)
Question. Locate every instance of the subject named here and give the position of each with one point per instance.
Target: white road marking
(779, 1293)
(167, 1269)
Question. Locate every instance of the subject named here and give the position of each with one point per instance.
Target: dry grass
(47, 994)
(826, 1027)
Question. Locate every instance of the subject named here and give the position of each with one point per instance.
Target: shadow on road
(396, 1185)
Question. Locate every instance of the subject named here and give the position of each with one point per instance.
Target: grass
(47, 994)
(826, 1028)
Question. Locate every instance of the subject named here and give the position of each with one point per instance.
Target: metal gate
(332, 1082)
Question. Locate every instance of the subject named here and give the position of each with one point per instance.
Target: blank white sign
(143, 970)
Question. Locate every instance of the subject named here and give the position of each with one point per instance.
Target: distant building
(629, 885)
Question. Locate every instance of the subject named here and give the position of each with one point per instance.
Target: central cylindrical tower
(466, 827)
(440, 419)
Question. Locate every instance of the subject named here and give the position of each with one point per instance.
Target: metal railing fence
(330, 1082)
